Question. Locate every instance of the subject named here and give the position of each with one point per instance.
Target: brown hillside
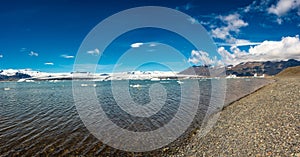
(290, 72)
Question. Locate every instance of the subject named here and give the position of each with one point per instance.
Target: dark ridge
(245, 68)
(17, 76)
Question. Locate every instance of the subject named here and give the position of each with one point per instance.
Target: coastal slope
(290, 72)
(265, 123)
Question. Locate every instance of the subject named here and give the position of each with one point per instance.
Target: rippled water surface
(40, 118)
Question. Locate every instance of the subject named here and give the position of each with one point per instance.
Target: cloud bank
(286, 48)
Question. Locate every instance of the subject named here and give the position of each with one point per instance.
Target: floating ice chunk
(179, 82)
(21, 80)
(84, 85)
(155, 79)
(6, 88)
(135, 86)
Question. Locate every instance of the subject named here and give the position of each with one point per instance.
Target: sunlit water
(40, 118)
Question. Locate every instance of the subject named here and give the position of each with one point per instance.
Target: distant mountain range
(16, 76)
(244, 69)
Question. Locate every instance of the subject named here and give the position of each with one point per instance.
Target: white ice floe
(179, 82)
(155, 79)
(136, 86)
(86, 85)
(54, 81)
(21, 80)
(6, 89)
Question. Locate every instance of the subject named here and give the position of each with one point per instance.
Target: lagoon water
(40, 118)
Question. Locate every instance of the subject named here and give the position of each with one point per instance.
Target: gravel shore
(264, 123)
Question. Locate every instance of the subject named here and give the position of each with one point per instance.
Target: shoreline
(272, 80)
(170, 151)
(245, 127)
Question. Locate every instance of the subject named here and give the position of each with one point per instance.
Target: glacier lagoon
(38, 118)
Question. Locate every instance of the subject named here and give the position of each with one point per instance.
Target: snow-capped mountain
(12, 74)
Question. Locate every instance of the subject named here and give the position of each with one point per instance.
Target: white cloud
(240, 42)
(279, 20)
(233, 24)
(49, 63)
(286, 48)
(1, 56)
(206, 23)
(33, 54)
(152, 44)
(95, 52)
(221, 33)
(202, 57)
(284, 10)
(193, 20)
(136, 45)
(232, 58)
(257, 6)
(283, 7)
(67, 56)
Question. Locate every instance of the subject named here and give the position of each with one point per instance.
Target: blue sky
(46, 35)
